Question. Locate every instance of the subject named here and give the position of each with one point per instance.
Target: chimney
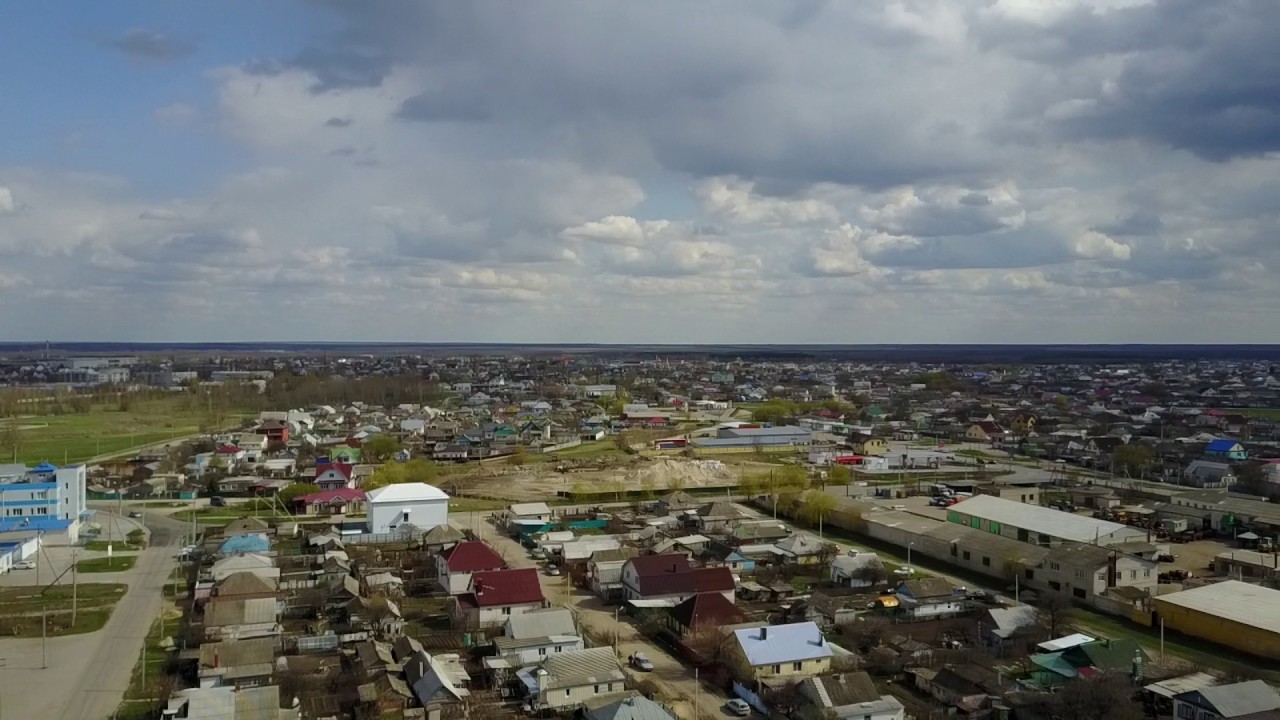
(764, 633)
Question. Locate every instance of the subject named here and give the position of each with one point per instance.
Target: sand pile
(692, 473)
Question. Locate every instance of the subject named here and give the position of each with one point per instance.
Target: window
(777, 669)
(1023, 535)
(1029, 574)
(1054, 566)
(1146, 573)
(1079, 574)
(953, 550)
(596, 689)
(1055, 585)
(543, 651)
(567, 693)
(986, 561)
(966, 554)
(797, 666)
(1080, 593)
(506, 611)
(1133, 574)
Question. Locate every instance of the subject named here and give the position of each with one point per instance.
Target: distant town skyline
(933, 171)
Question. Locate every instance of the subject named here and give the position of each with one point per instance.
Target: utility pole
(74, 589)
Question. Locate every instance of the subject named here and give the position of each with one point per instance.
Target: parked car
(642, 663)
(25, 565)
(217, 501)
(905, 570)
(553, 571)
(135, 514)
(738, 706)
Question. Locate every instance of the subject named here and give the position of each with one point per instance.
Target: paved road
(88, 674)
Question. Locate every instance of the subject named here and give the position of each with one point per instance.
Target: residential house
(671, 578)
(1253, 699)
(985, 431)
(260, 565)
(276, 431)
(532, 636)
(1207, 474)
(455, 565)
(676, 501)
(438, 683)
(702, 612)
(928, 597)
(716, 516)
(1011, 630)
(604, 571)
(718, 554)
(238, 664)
(857, 569)
(246, 586)
(568, 680)
(966, 687)
(758, 532)
(1226, 449)
(801, 549)
(441, 537)
(864, 444)
(1083, 572)
(341, 501)
(793, 651)
(497, 595)
(536, 511)
(229, 703)
(1087, 659)
(632, 707)
(242, 619)
(845, 696)
(334, 476)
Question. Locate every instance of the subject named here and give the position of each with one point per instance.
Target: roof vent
(764, 633)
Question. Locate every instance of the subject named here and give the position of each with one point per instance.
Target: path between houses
(673, 678)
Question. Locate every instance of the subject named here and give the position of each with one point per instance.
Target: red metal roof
(671, 574)
(496, 588)
(707, 610)
(328, 496)
(471, 557)
(343, 469)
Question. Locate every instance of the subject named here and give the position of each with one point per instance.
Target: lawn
(87, 620)
(1268, 413)
(465, 504)
(17, 600)
(102, 545)
(107, 564)
(103, 430)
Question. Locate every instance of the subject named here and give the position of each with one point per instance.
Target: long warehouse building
(1039, 525)
(1232, 613)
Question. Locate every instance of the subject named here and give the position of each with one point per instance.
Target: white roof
(1058, 524)
(1239, 602)
(406, 492)
(1065, 643)
(533, 508)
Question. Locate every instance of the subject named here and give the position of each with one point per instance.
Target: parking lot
(53, 561)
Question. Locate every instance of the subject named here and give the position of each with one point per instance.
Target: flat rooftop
(1251, 605)
(1058, 524)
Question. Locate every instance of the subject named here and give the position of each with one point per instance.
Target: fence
(559, 446)
(752, 699)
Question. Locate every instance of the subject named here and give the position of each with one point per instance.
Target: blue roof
(783, 643)
(45, 467)
(248, 543)
(28, 522)
(1221, 445)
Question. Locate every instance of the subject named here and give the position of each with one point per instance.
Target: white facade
(419, 504)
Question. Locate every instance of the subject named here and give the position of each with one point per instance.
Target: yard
(103, 430)
(107, 564)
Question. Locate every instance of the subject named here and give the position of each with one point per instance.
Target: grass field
(103, 430)
(147, 684)
(107, 564)
(101, 546)
(87, 620)
(19, 600)
(1268, 413)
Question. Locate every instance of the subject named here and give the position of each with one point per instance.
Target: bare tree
(1109, 697)
(1053, 612)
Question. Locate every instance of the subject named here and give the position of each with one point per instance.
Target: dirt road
(673, 678)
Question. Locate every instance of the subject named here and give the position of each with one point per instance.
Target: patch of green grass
(1268, 413)
(148, 683)
(107, 564)
(18, 600)
(116, 546)
(87, 620)
(464, 504)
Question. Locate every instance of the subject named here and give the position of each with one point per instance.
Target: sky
(915, 171)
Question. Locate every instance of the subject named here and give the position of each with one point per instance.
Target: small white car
(738, 707)
(553, 571)
(25, 565)
(905, 570)
(641, 662)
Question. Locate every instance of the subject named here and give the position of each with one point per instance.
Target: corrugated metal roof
(1240, 699)
(581, 667)
(1058, 524)
(1240, 602)
(541, 623)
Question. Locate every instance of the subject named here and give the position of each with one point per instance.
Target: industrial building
(1039, 525)
(1232, 613)
(747, 438)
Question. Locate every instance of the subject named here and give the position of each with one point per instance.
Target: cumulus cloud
(724, 170)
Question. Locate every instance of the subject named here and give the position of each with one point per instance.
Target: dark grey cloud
(338, 122)
(1197, 76)
(141, 44)
(447, 105)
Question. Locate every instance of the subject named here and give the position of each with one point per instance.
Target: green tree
(389, 474)
(816, 506)
(289, 493)
(518, 456)
(1133, 460)
(419, 470)
(840, 475)
(379, 448)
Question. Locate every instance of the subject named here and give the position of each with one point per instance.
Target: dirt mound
(664, 471)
